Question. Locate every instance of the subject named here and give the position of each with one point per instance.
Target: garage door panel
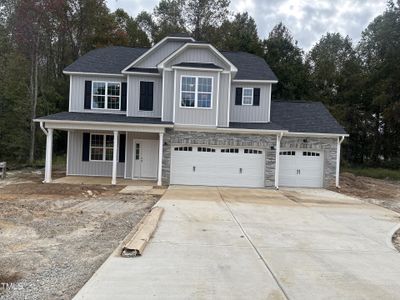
(217, 168)
(300, 168)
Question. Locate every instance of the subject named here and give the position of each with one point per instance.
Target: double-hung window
(106, 95)
(247, 98)
(196, 92)
(101, 147)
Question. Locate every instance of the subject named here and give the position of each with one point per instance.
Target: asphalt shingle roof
(303, 116)
(113, 60)
(198, 65)
(101, 117)
(110, 60)
(144, 70)
(250, 66)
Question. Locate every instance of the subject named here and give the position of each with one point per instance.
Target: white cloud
(307, 19)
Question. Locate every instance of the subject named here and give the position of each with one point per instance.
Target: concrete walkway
(225, 243)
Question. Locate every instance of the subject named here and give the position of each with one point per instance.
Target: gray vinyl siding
(203, 55)
(77, 92)
(87, 168)
(195, 116)
(168, 90)
(134, 96)
(249, 113)
(223, 100)
(130, 137)
(154, 58)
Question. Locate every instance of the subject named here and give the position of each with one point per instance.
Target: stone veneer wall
(266, 142)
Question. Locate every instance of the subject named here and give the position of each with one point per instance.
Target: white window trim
(104, 147)
(196, 92)
(106, 95)
(252, 96)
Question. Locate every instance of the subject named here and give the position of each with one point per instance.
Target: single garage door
(217, 166)
(301, 168)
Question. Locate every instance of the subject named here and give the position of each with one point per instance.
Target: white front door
(301, 168)
(217, 166)
(145, 159)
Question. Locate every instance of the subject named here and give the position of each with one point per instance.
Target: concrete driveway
(228, 243)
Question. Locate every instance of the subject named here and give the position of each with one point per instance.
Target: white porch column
(277, 150)
(49, 155)
(160, 158)
(339, 143)
(115, 155)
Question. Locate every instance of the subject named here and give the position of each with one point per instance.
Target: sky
(306, 19)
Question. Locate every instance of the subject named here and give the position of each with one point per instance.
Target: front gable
(197, 53)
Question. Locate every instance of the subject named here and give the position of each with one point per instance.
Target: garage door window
(183, 149)
(287, 153)
(230, 150)
(204, 149)
(310, 153)
(252, 151)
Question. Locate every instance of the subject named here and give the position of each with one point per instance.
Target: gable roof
(250, 66)
(114, 59)
(109, 60)
(303, 116)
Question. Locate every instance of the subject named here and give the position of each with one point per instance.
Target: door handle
(240, 170)
(194, 169)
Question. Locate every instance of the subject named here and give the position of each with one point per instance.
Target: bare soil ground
(53, 237)
(384, 193)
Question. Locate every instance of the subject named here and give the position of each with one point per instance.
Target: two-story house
(182, 112)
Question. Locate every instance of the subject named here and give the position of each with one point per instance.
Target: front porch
(105, 148)
(100, 180)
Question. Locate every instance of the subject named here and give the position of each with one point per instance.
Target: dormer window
(106, 95)
(247, 98)
(196, 92)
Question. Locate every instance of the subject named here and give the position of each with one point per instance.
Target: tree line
(359, 83)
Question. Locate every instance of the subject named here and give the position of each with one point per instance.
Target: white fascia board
(197, 69)
(109, 126)
(316, 134)
(141, 73)
(253, 81)
(172, 55)
(153, 48)
(252, 131)
(93, 74)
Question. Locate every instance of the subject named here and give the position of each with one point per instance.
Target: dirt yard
(53, 237)
(384, 193)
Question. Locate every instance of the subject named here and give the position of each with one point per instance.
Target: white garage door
(301, 168)
(216, 166)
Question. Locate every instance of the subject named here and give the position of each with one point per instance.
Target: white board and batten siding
(301, 168)
(134, 96)
(75, 165)
(77, 93)
(216, 168)
(250, 113)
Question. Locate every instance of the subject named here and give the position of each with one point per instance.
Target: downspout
(277, 150)
(339, 143)
(43, 129)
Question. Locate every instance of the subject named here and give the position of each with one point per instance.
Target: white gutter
(103, 123)
(93, 74)
(310, 134)
(339, 143)
(42, 127)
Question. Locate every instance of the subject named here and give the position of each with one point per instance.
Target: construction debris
(147, 226)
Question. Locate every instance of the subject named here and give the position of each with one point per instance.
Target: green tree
(240, 34)
(286, 60)
(128, 31)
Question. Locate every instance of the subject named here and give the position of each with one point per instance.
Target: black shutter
(122, 139)
(146, 95)
(238, 99)
(88, 94)
(123, 96)
(256, 97)
(85, 146)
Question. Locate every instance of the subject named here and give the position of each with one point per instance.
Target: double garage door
(242, 167)
(217, 166)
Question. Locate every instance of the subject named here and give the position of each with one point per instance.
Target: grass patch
(378, 173)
